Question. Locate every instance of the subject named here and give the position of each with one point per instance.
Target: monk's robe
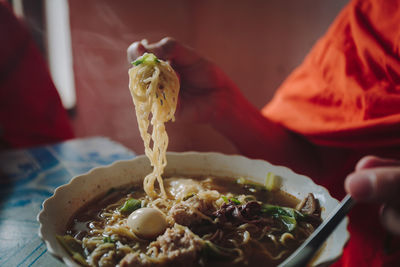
(346, 96)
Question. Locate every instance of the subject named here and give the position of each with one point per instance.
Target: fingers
(378, 180)
(369, 162)
(375, 179)
(135, 50)
(166, 49)
(380, 184)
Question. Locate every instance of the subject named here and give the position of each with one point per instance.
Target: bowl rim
(67, 259)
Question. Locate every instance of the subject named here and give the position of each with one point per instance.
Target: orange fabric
(347, 90)
(346, 94)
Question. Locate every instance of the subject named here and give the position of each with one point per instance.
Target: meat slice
(178, 245)
(309, 205)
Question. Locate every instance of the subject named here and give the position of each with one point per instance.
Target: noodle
(154, 88)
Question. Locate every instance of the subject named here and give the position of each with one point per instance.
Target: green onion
(147, 58)
(235, 200)
(108, 239)
(130, 206)
(232, 199)
(272, 182)
(250, 185)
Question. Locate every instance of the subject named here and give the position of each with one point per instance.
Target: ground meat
(136, 259)
(178, 246)
(186, 212)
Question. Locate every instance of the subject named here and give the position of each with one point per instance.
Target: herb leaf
(289, 222)
(287, 216)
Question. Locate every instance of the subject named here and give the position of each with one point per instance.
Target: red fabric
(346, 94)
(31, 112)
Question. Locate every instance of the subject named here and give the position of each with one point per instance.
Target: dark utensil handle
(307, 250)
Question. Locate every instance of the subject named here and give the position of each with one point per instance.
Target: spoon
(307, 250)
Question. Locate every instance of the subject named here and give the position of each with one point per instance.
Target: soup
(203, 221)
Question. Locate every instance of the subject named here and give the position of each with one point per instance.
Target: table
(28, 177)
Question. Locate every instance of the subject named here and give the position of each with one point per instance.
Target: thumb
(135, 50)
(381, 184)
(170, 49)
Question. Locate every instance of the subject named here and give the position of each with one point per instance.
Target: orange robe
(346, 94)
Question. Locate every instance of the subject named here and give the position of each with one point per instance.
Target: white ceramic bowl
(58, 209)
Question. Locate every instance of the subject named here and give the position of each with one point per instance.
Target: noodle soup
(209, 221)
(182, 221)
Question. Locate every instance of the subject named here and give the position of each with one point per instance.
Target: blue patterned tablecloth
(28, 177)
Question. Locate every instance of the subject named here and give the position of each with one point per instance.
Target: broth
(228, 223)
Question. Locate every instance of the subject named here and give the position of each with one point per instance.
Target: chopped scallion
(130, 206)
(272, 182)
(147, 58)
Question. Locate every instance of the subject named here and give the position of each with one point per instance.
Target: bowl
(67, 199)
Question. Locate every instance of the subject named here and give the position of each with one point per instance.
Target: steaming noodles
(154, 87)
(187, 221)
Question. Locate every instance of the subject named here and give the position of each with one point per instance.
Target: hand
(207, 95)
(378, 180)
(206, 92)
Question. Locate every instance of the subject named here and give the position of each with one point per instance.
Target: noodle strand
(154, 88)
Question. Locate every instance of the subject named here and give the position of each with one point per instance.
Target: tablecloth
(28, 177)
